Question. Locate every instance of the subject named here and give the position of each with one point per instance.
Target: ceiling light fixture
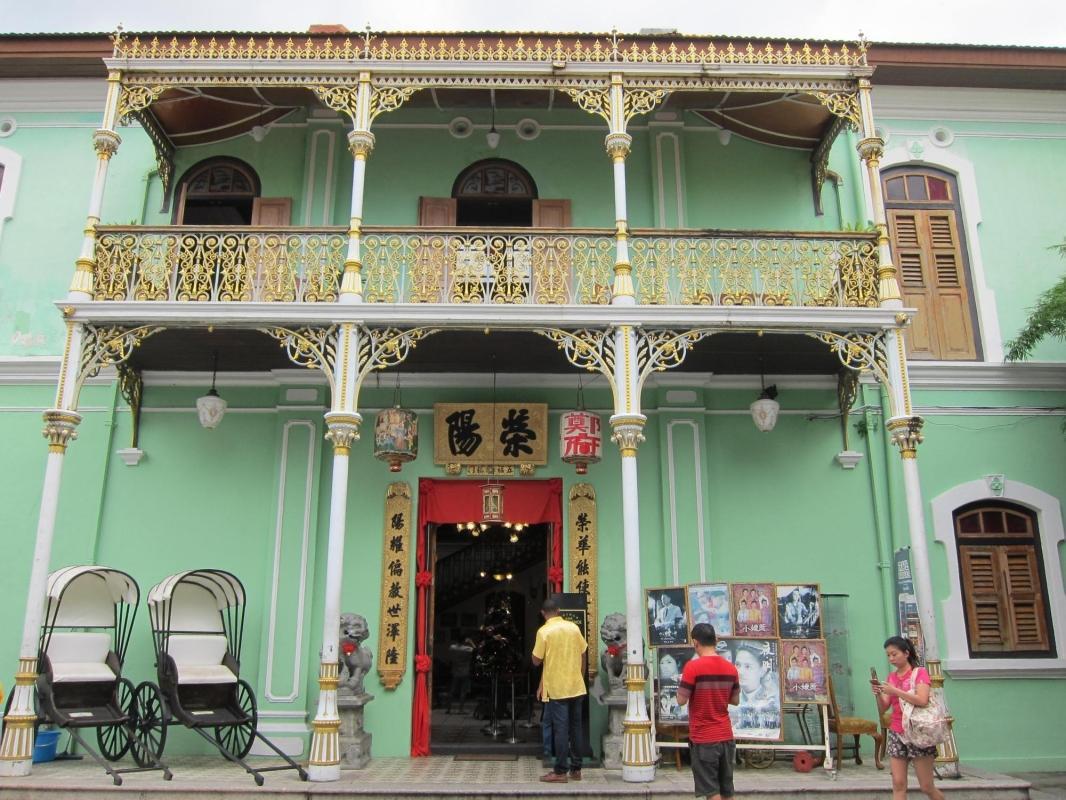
(492, 138)
(211, 408)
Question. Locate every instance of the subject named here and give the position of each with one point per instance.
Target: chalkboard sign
(573, 607)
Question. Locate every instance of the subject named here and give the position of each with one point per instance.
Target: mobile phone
(873, 676)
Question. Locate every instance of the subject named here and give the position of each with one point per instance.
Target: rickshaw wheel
(113, 740)
(238, 738)
(148, 724)
(758, 758)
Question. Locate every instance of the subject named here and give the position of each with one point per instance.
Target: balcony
(470, 266)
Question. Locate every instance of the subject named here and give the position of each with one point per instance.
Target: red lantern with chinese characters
(579, 439)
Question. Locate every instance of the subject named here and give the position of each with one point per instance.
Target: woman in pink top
(904, 660)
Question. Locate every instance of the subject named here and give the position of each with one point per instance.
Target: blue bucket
(44, 748)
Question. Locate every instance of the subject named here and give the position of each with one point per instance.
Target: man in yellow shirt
(561, 648)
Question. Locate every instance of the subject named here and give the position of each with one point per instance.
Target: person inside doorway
(561, 648)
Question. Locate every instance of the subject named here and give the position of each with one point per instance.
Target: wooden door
(437, 212)
(551, 213)
(272, 212)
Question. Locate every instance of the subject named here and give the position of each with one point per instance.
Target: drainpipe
(147, 190)
(882, 528)
(105, 475)
(837, 181)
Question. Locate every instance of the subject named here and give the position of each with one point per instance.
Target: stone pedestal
(611, 743)
(355, 741)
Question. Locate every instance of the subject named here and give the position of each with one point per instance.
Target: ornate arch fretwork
(820, 160)
(844, 104)
(381, 348)
(638, 101)
(314, 348)
(635, 100)
(862, 352)
(131, 385)
(108, 347)
(847, 391)
(164, 154)
(382, 99)
(135, 98)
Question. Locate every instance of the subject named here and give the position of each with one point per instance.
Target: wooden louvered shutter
(927, 250)
(1025, 600)
(985, 617)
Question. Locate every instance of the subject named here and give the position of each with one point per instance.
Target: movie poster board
(710, 603)
(805, 666)
(667, 616)
(799, 611)
(758, 715)
(669, 662)
(753, 610)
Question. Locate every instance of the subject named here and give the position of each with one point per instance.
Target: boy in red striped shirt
(709, 685)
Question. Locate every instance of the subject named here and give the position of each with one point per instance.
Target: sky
(1018, 22)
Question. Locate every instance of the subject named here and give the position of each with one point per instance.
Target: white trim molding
(970, 203)
(1048, 512)
(969, 105)
(697, 475)
(53, 94)
(12, 164)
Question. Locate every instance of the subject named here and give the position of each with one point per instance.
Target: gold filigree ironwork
(637, 101)
(107, 347)
(594, 100)
(844, 105)
(135, 98)
(164, 153)
(859, 351)
(847, 391)
(311, 347)
(131, 385)
(382, 99)
(595, 50)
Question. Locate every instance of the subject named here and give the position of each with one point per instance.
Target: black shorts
(712, 768)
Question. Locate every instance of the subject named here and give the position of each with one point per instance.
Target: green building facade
(754, 237)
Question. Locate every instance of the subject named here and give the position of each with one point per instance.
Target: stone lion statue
(355, 659)
(613, 657)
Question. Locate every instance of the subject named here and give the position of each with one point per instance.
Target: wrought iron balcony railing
(543, 267)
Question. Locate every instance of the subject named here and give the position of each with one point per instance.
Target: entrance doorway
(488, 585)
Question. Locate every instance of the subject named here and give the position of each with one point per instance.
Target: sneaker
(554, 777)
(575, 774)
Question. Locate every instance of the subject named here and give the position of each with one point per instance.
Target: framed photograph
(758, 715)
(667, 616)
(669, 662)
(805, 664)
(709, 602)
(753, 610)
(799, 611)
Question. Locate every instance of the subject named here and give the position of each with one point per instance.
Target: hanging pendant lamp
(211, 408)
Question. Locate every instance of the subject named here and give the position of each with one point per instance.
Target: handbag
(924, 726)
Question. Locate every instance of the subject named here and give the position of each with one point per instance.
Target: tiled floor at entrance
(443, 776)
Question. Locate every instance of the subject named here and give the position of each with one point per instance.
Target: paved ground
(443, 776)
(1046, 785)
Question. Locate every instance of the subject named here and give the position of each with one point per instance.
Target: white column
(60, 427)
(105, 142)
(360, 143)
(627, 423)
(343, 422)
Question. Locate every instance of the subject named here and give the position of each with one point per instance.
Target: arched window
(494, 193)
(925, 224)
(1004, 588)
(217, 192)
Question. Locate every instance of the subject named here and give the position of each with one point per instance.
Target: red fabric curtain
(444, 502)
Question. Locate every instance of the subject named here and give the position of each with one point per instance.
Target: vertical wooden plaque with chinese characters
(395, 585)
(582, 537)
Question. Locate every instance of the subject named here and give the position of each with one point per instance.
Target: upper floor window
(1003, 584)
(925, 224)
(217, 192)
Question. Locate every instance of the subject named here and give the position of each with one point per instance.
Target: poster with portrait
(805, 665)
(709, 603)
(753, 610)
(758, 715)
(667, 616)
(799, 611)
(669, 662)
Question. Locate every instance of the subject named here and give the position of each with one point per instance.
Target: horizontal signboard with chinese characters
(511, 434)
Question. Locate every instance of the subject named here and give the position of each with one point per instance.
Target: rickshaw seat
(79, 657)
(198, 658)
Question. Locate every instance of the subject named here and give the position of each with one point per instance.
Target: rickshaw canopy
(86, 596)
(194, 600)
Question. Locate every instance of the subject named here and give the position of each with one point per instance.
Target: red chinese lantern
(396, 437)
(579, 439)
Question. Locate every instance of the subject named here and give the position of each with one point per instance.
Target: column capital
(628, 433)
(906, 433)
(618, 145)
(60, 427)
(871, 148)
(106, 142)
(343, 430)
(360, 143)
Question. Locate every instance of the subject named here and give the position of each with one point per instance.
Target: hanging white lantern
(580, 440)
(210, 408)
(396, 437)
(764, 411)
